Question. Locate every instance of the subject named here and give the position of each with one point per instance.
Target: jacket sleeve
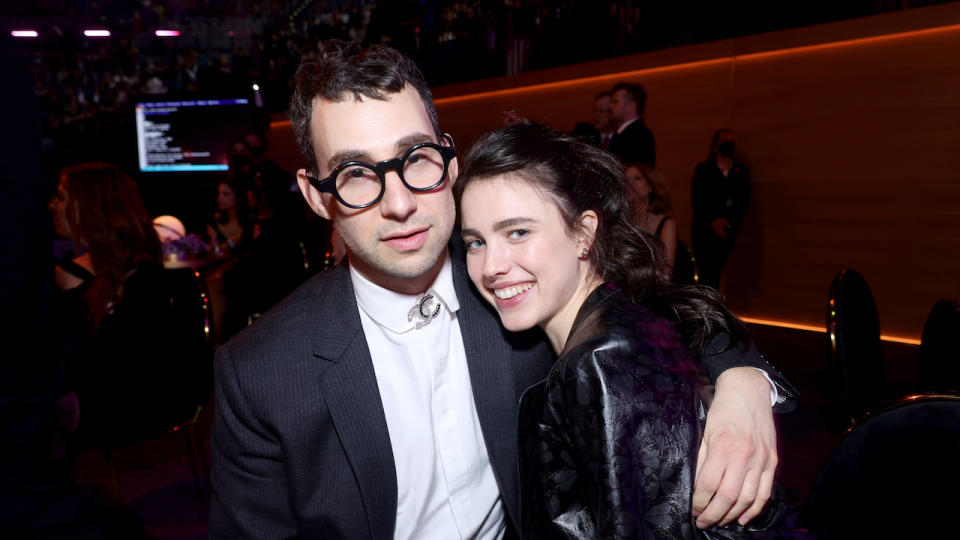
(250, 492)
(633, 433)
(699, 196)
(741, 196)
(719, 356)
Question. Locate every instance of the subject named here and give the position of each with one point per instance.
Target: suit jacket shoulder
(635, 144)
(300, 445)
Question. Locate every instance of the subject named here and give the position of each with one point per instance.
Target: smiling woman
(517, 252)
(609, 439)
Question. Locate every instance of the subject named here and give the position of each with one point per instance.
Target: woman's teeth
(510, 292)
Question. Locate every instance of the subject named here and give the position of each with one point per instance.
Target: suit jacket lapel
(353, 399)
(491, 375)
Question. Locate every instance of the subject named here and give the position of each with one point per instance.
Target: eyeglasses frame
(329, 184)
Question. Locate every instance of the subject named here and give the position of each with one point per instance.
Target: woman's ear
(587, 230)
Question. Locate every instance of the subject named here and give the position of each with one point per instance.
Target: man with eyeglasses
(379, 399)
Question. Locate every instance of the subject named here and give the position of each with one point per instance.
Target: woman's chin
(516, 325)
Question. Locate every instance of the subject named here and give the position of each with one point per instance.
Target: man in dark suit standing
(380, 398)
(633, 141)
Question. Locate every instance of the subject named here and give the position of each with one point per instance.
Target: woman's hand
(738, 454)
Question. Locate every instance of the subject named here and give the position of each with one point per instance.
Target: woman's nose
(495, 261)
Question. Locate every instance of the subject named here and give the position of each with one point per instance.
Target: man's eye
(354, 174)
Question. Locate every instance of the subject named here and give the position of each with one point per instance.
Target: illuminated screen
(189, 135)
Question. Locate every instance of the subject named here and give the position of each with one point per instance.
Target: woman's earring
(583, 252)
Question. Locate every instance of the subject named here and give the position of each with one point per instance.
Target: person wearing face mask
(721, 195)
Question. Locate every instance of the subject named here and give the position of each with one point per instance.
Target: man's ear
(587, 229)
(453, 170)
(314, 198)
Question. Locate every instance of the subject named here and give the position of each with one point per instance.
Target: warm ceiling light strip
(699, 63)
(694, 64)
(850, 42)
(821, 329)
(583, 80)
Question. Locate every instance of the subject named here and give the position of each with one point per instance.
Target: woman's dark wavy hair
(108, 217)
(244, 212)
(343, 70)
(580, 177)
(659, 198)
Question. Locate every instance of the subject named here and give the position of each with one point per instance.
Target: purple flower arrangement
(188, 247)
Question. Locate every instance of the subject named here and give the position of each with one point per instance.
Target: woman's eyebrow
(511, 222)
(500, 225)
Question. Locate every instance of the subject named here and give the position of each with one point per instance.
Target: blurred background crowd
(85, 85)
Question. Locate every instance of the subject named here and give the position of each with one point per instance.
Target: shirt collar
(390, 309)
(627, 123)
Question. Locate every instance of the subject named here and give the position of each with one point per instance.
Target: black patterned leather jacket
(608, 442)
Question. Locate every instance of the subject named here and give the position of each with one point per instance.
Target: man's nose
(398, 202)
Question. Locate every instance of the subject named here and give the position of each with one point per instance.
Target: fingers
(726, 482)
(745, 498)
(765, 488)
(701, 497)
(737, 489)
(705, 483)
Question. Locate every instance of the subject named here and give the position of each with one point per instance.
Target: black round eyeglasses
(357, 184)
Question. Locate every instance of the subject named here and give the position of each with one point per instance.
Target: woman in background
(99, 207)
(230, 229)
(651, 207)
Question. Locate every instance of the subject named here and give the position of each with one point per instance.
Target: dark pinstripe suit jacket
(300, 445)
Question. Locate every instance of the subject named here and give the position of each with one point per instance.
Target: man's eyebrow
(345, 156)
(401, 146)
(416, 138)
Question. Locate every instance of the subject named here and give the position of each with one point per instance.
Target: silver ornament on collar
(425, 310)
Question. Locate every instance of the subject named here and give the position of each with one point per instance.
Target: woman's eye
(472, 245)
(518, 234)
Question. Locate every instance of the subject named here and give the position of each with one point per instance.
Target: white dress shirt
(445, 484)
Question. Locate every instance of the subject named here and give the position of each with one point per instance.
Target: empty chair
(938, 361)
(685, 266)
(150, 370)
(853, 331)
(894, 475)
